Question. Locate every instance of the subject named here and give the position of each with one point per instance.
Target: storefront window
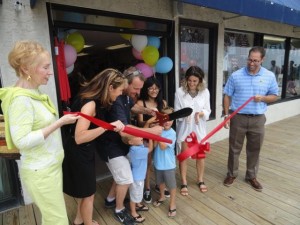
(274, 59)
(236, 49)
(293, 73)
(194, 49)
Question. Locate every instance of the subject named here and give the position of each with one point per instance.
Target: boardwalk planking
(278, 203)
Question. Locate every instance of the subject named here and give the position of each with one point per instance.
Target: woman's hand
(68, 119)
(198, 115)
(119, 126)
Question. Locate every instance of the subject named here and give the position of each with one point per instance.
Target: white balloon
(139, 42)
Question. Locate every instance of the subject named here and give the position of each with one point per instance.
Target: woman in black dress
(79, 178)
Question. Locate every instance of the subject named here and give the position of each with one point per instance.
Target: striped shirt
(241, 86)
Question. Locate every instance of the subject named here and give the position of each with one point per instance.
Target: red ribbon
(195, 149)
(193, 143)
(127, 130)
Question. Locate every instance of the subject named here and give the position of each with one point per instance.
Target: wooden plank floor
(279, 203)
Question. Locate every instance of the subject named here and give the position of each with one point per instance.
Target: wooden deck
(279, 203)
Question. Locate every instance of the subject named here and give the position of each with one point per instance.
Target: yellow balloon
(150, 55)
(76, 40)
(125, 23)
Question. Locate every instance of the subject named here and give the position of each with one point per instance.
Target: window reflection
(274, 59)
(236, 49)
(293, 75)
(194, 48)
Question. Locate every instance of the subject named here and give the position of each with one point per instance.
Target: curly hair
(197, 72)
(26, 54)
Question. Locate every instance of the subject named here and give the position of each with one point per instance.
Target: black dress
(79, 175)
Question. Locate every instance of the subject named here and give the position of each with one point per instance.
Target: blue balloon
(153, 41)
(164, 65)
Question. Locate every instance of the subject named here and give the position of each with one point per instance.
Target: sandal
(93, 221)
(172, 213)
(158, 202)
(184, 190)
(141, 207)
(202, 187)
(138, 219)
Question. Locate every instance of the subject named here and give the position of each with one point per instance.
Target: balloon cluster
(74, 43)
(146, 48)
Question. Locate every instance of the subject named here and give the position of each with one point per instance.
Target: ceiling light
(82, 54)
(87, 46)
(114, 47)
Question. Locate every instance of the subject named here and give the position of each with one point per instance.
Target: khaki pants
(253, 128)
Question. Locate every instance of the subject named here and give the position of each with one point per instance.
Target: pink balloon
(70, 55)
(145, 69)
(137, 54)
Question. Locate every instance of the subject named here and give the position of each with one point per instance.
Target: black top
(110, 144)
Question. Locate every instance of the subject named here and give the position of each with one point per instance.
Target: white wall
(33, 24)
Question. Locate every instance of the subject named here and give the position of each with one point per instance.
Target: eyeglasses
(254, 61)
(153, 89)
(134, 73)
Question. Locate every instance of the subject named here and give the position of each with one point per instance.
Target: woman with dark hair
(150, 97)
(193, 93)
(79, 178)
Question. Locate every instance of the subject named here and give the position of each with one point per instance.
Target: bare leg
(162, 187)
(134, 213)
(85, 211)
(121, 191)
(200, 173)
(183, 165)
(78, 219)
(148, 173)
(200, 169)
(172, 206)
(112, 190)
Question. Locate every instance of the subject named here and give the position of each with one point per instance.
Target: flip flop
(141, 207)
(184, 190)
(202, 187)
(138, 219)
(158, 202)
(172, 213)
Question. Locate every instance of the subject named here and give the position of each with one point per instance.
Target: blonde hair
(26, 54)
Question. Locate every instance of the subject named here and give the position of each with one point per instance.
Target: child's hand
(151, 122)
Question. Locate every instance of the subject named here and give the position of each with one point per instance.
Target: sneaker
(254, 184)
(147, 196)
(228, 181)
(124, 217)
(167, 193)
(110, 205)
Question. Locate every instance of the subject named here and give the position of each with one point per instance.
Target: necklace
(193, 94)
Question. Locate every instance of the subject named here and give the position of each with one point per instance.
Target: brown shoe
(228, 181)
(254, 184)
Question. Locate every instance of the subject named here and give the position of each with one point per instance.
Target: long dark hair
(144, 92)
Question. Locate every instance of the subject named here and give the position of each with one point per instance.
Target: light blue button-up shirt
(241, 86)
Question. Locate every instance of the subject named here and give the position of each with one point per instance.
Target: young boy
(165, 165)
(138, 156)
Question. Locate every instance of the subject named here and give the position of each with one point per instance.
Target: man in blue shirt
(253, 80)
